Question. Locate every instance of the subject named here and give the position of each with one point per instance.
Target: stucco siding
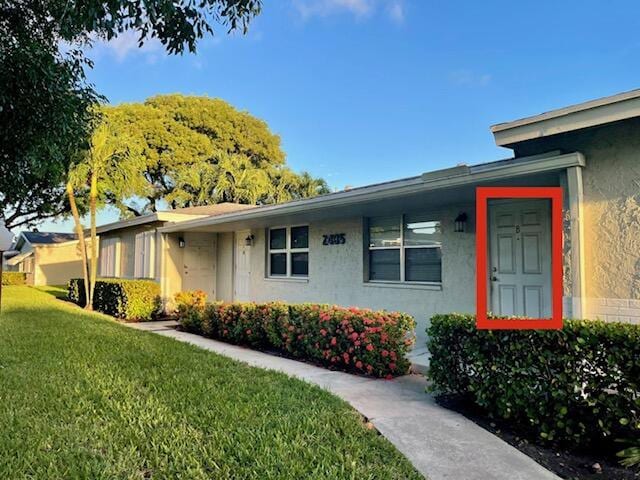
(611, 181)
(336, 273)
(57, 264)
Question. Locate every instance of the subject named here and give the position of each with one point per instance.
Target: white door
(520, 260)
(241, 266)
(199, 264)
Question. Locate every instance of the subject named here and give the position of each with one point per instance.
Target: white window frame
(288, 250)
(144, 255)
(402, 247)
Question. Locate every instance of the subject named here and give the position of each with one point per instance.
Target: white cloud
(359, 9)
(323, 8)
(126, 44)
(468, 78)
(395, 11)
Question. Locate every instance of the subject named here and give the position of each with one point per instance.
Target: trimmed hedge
(350, 339)
(14, 278)
(579, 385)
(133, 300)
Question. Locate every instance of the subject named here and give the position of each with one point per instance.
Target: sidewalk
(440, 443)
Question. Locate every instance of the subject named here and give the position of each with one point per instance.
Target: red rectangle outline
(483, 194)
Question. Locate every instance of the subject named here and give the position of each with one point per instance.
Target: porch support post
(576, 219)
(161, 265)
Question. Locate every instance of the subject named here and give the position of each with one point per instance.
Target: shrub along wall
(579, 385)
(350, 339)
(134, 300)
(14, 278)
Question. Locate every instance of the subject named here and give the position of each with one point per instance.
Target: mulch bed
(600, 464)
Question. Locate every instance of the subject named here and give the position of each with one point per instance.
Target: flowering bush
(190, 307)
(351, 339)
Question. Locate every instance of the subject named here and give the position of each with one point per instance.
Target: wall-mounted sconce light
(181, 242)
(460, 222)
(249, 240)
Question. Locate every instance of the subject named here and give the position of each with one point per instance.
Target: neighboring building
(47, 258)
(409, 244)
(128, 247)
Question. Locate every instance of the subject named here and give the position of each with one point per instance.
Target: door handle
(494, 279)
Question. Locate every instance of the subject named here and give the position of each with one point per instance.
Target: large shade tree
(45, 114)
(201, 150)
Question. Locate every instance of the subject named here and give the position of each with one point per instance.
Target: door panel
(520, 258)
(199, 265)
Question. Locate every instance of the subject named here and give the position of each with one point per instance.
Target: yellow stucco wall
(611, 181)
(57, 264)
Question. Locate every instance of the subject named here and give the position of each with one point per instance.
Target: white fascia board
(143, 219)
(475, 174)
(576, 117)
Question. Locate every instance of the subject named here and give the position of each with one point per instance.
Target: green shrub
(190, 308)
(579, 385)
(133, 300)
(350, 339)
(75, 291)
(14, 278)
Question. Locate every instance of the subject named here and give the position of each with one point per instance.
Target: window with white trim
(144, 255)
(405, 248)
(108, 257)
(288, 252)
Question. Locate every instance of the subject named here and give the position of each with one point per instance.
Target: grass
(84, 397)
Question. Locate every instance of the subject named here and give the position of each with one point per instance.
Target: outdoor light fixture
(460, 222)
(181, 243)
(249, 240)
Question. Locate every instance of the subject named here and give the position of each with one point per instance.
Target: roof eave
(589, 114)
(430, 181)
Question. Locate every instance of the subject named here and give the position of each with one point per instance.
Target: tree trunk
(93, 197)
(81, 244)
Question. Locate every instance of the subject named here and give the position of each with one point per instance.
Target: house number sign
(334, 239)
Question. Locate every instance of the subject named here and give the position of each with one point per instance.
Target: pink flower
(323, 332)
(384, 353)
(249, 331)
(392, 366)
(333, 341)
(369, 347)
(358, 364)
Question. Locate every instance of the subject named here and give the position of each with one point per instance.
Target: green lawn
(84, 397)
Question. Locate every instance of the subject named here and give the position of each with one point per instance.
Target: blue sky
(363, 91)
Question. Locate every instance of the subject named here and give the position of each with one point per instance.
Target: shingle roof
(48, 238)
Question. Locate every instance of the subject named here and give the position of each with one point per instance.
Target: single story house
(409, 244)
(129, 248)
(48, 258)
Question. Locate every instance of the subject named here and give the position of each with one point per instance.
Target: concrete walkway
(440, 443)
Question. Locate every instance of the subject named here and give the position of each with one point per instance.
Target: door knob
(494, 279)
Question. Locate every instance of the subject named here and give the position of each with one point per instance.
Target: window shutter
(138, 252)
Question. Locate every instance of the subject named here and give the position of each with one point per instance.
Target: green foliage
(46, 114)
(14, 278)
(83, 397)
(133, 300)
(578, 386)
(200, 151)
(350, 339)
(189, 307)
(630, 456)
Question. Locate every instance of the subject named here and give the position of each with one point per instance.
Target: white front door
(199, 265)
(241, 266)
(520, 260)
